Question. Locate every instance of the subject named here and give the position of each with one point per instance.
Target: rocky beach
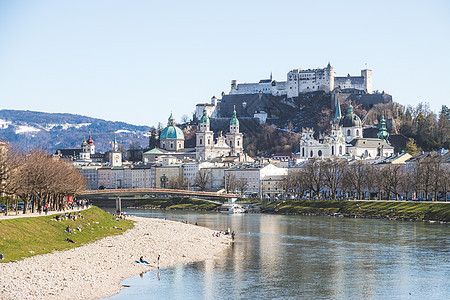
(95, 270)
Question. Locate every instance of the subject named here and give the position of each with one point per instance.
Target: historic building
(303, 81)
(172, 137)
(206, 148)
(346, 139)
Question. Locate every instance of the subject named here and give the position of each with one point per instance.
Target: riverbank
(430, 211)
(95, 270)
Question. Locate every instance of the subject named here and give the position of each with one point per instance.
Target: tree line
(37, 178)
(427, 178)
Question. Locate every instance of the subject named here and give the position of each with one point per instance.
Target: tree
(178, 183)
(355, 177)
(153, 139)
(333, 174)
(202, 178)
(230, 182)
(314, 175)
(411, 147)
(242, 185)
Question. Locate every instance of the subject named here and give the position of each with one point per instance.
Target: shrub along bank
(366, 209)
(25, 237)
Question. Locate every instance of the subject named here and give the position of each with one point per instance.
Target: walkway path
(37, 214)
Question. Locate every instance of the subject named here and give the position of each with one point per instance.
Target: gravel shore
(95, 270)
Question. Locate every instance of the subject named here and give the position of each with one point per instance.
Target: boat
(231, 208)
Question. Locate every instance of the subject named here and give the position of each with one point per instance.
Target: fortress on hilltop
(303, 81)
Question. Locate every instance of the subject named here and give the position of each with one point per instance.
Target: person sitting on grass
(2, 256)
(69, 241)
(68, 229)
(79, 227)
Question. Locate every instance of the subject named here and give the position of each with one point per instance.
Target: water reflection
(293, 257)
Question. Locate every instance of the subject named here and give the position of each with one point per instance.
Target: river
(302, 257)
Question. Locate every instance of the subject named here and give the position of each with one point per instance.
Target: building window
(340, 150)
(332, 150)
(348, 132)
(303, 152)
(201, 141)
(312, 153)
(357, 132)
(319, 153)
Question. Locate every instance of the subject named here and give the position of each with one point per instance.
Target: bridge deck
(136, 192)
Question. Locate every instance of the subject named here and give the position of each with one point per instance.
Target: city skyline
(136, 63)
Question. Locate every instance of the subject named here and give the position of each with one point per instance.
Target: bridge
(140, 193)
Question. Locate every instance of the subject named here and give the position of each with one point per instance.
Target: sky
(136, 61)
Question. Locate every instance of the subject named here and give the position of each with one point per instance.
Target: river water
(302, 257)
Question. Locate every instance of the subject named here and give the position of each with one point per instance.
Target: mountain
(52, 131)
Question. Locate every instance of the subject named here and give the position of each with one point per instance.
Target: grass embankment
(367, 209)
(178, 203)
(24, 237)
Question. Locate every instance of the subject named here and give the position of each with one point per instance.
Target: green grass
(371, 209)
(178, 203)
(25, 237)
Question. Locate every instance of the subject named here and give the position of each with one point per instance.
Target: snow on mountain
(25, 129)
(122, 131)
(4, 124)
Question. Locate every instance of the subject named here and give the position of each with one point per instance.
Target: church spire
(383, 134)
(337, 114)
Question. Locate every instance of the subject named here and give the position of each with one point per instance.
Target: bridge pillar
(118, 205)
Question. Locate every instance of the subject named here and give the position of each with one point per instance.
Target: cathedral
(171, 142)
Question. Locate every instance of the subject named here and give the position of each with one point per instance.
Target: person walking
(159, 257)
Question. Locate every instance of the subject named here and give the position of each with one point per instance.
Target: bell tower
(204, 138)
(234, 138)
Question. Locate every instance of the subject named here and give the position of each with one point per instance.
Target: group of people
(120, 216)
(225, 232)
(69, 216)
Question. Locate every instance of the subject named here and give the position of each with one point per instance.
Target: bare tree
(230, 183)
(242, 185)
(333, 174)
(314, 175)
(202, 178)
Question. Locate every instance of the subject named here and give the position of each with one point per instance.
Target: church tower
(204, 138)
(234, 137)
(115, 155)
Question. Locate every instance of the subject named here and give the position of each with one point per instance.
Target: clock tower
(115, 155)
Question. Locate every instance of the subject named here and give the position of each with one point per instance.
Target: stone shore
(95, 270)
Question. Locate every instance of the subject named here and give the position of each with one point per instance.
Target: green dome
(234, 120)
(84, 143)
(171, 133)
(351, 119)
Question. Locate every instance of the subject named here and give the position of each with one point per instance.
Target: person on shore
(2, 256)
(69, 241)
(142, 261)
(159, 257)
(233, 235)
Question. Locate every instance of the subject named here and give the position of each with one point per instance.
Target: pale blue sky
(135, 61)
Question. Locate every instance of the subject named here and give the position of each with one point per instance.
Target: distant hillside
(28, 129)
